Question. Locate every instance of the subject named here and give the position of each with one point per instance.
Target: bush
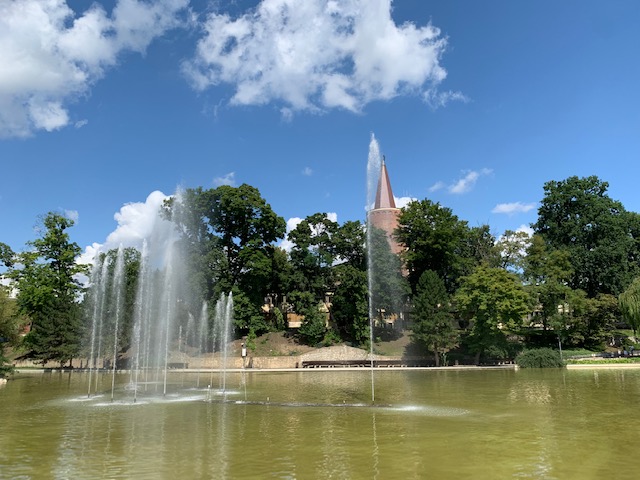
(539, 358)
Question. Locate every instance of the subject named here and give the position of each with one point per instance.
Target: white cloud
(467, 182)
(227, 179)
(292, 223)
(51, 56)
(436, 186)
(526, 229)
(136, 221)
(403, 201)
(307, 172)
(318, 55)
(512, 208)
(72, 215)
(436, 99)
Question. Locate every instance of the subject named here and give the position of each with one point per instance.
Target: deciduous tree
(495, 302)
(432, 318)
(49, 292)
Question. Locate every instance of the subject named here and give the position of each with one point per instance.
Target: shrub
(540, 358)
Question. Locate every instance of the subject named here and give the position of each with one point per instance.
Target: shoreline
(335, 369)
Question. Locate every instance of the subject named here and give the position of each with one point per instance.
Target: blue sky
(474, 104)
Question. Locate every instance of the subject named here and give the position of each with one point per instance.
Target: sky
(108, 107)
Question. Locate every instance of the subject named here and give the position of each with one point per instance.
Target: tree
(350, 304)
(229, 233)
(10, 325)
(435, 239)
(6, 255)
(389, 287)
(313, 254)
(547, 272)
(48, 293)
(512, 250)
(601, 237)
(432, 318)
(629, 302)
(495, 302)
(313, 328)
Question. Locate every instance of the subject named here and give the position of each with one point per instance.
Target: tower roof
(384, 195)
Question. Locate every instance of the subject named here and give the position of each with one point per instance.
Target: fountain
(139, 304)
(373, 174)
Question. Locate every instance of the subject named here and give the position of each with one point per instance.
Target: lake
(320, 424)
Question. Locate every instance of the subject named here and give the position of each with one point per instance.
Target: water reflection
(477, 424)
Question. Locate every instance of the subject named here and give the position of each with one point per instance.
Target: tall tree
(512, 250)
(547, 273)
(350, 304)
(432, 318)
(495, 302)
(229, 233)
(389, 287)
(313, 254)
(436, 239)
(49, 291)
(601, 237)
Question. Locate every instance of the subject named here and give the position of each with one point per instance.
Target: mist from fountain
(374, 163)
(160, 314)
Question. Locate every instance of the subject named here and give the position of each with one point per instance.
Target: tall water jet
(374, 163)
(386, 283)
(223, 319)
(118, 293)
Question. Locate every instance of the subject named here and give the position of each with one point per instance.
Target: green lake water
(425, 424)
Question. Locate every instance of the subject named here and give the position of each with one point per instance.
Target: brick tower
(384, 214)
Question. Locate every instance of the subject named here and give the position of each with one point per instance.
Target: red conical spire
(384, 195)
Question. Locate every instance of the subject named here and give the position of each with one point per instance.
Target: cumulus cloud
(227, 179)
(51, 56)
(403, 201)
(136, 221)
(318, 55)
(512, 208)
(467, 182)
(307, 172)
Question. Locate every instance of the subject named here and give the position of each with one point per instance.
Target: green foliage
(350, 303)
(313, 328)
(10, 324)
(6, 255)
(494, 301)
(512, 251)
(540, 358)
(48, 293)
(313, 254)
(432, 317)
(600, 236)
(435, 239)
(629, 302)
(389, 287)
(229, 233)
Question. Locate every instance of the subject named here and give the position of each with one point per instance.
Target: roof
(384, 195)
